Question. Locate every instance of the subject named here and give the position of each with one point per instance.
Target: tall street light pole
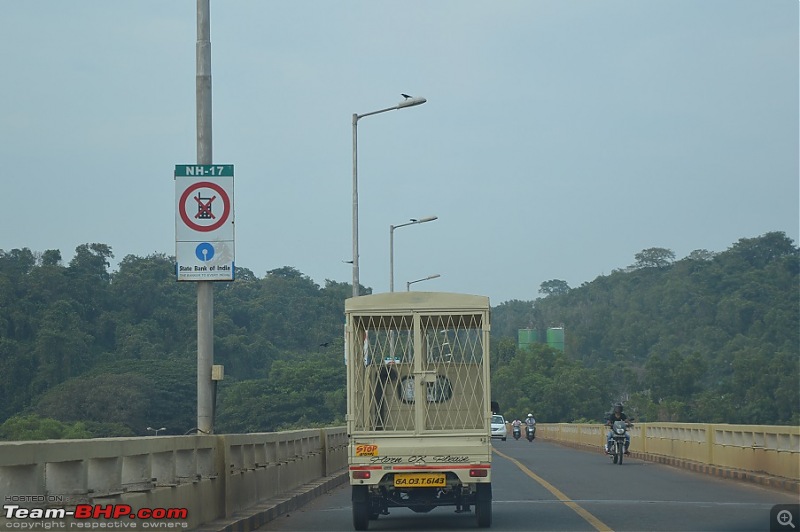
(205, 289)
(391, 244)
(409, 283)
(408, 102)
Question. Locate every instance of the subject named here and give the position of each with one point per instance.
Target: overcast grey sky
(559, 139)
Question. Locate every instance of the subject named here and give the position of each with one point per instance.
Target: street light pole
(205, 289)
(409, 283)
(391, 244)
(408, 102)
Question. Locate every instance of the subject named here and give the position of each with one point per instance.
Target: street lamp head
(410, 101)
(409, 283)
(412, 221)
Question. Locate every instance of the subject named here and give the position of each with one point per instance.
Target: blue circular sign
(204, 252)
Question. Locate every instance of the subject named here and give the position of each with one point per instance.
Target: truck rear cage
(402, 356)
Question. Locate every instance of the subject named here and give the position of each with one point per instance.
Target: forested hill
(709, 338)
(88, 352)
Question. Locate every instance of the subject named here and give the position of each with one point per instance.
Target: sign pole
(205, 289)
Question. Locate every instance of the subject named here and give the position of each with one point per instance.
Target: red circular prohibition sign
(225, 202)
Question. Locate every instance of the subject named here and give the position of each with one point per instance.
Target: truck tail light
(361, 475)
(479, 473)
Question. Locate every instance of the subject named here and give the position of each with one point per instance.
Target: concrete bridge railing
(212, 477)
(769, 454)
(216, 477)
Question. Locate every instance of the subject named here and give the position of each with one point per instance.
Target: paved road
(544, 486)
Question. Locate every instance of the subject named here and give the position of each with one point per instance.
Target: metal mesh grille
(418, 372)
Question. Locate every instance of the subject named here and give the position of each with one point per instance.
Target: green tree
(104, 398)
(32, 427)
(510, 316)
(654, 258)
(299, 393)
(543, 381)
(17, 262)
(553, 286)
(61, 346)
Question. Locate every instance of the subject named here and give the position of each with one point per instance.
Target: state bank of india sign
(204, 228)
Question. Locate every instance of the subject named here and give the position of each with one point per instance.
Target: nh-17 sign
(204, 228)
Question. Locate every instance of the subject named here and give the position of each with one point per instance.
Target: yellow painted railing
(212, 477)
(215, 477)
(769, 449)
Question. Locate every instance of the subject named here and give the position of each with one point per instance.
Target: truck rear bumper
(455, 474)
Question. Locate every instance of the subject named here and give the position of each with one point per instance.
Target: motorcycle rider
(530, 422)
(516, 424)
(617, 415)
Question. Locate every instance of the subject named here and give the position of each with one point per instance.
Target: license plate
(420, 480)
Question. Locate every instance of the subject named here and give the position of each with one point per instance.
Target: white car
(499, 429)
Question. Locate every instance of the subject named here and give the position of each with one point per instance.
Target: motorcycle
(619, 430)
(530, 432)
(516, 432)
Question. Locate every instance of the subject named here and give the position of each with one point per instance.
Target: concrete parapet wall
(736, 451)
(213, 477)
(216, 477)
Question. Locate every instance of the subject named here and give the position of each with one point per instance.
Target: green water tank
(555, 338)
(527, 337)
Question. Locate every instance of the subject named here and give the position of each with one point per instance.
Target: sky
(559, 137)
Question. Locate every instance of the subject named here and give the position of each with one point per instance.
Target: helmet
(530, 415)
(618, 407)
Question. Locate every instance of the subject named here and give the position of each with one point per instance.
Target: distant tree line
(85, 352)
(114, 353)
(714, 337)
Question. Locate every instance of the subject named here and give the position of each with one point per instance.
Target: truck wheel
(361, 513)
(483, 505)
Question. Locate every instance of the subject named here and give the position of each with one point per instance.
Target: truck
(418, 404)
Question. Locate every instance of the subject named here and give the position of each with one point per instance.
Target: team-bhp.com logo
(87, 515)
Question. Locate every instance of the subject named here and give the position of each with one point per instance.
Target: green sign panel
(203, 170)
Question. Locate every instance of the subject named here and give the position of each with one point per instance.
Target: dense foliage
(709, 338)
(85, 352)
(117, 351)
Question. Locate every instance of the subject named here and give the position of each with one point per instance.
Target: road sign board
(205, 206)
(204, 224)
(203, 170)
(204, 261)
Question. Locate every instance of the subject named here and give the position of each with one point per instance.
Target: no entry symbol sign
(207, 215)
